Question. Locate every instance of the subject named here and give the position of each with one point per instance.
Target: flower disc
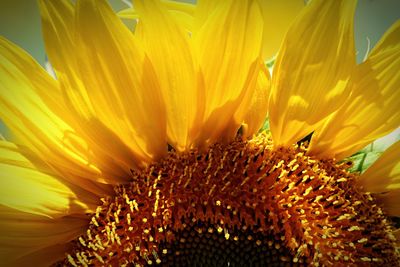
(239, 204)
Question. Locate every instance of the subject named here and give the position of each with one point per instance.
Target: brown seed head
(244, 203)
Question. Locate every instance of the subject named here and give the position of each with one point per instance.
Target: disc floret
(201, 207)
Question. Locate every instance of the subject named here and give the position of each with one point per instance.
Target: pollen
(240, 204)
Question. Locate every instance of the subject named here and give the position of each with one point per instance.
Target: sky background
(20, 23)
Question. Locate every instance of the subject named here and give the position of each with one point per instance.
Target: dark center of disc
(202, 244)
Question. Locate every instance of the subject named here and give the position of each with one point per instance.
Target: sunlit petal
(228, 49)
(312, 70)
(278, 16)
(37, 192)
(384, 174)
(372, 111)
(123, 89)
(32, 240)
(167, 44)
(383, 179)
(252, 113)
(35, 125)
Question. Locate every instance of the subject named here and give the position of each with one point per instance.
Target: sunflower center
(204, 244)
(241, 204)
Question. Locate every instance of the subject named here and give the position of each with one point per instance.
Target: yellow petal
(204, 8)
(383, 179)
(228, 49)
(384, 174)
(185, 20)
(128, 13)
(278, 16)
(372, 111)
(390, 201)
(187, 8)
(167, 46)
(312, 69)
(171, 5)
(31, 188)
(112, 154)
(253, 113)
(35, 125)
(58, 20)
(180, 11)
(119, 80)
(33, 240)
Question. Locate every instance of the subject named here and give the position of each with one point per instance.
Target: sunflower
(145, 149)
